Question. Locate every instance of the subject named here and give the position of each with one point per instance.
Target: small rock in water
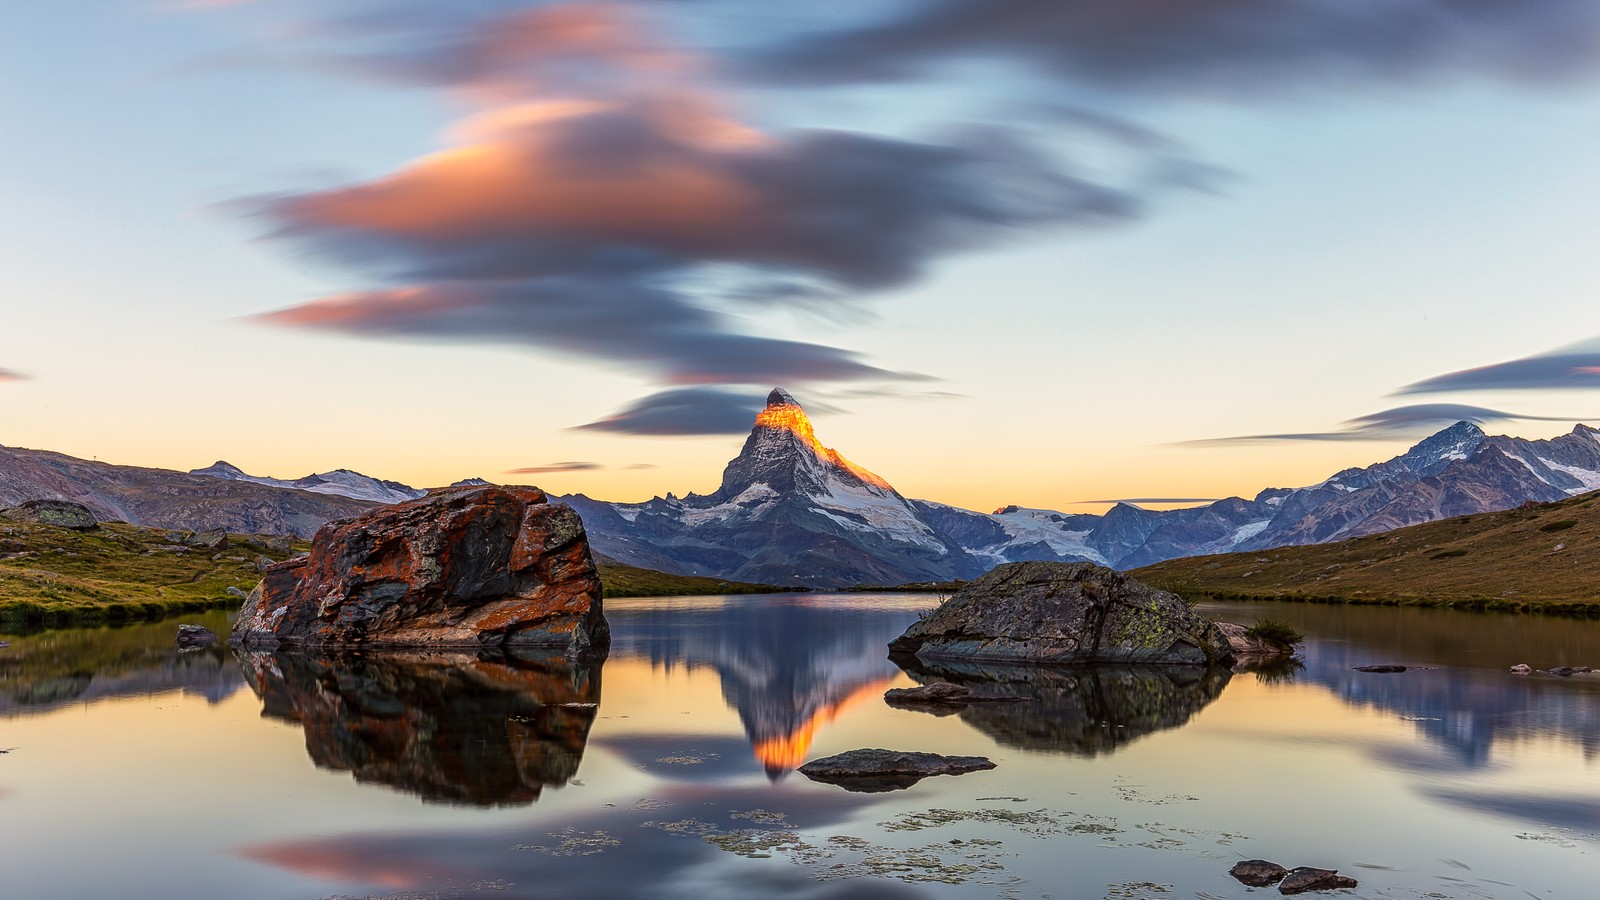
(1258, 872)
(1568, 671)
(1521, 669)
(945, 694)
(1384, 669)
(195, 636)
(1306, 878)
(877, 770)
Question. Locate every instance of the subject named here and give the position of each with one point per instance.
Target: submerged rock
(1258, 872)
(1064, 613)
(1306, 878)
(876, 770)
(1385, 670)
(1568, 671)
(471, 567)
(60, 513)
(195, 636)
(943, 693)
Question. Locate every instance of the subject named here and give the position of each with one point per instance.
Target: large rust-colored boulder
(1064, 613)
(465, 568)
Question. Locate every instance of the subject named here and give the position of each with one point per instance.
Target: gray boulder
(215, 539)
(1064, 613)
(60, 513)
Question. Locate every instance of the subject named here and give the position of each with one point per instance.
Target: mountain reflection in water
(1076, 710)
(787, 664)
(449, 727)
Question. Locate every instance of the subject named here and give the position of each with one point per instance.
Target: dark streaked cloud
(684, 411)
(1136, 500)
(10, 375)
(601, 205)
(1208, 46)
(1399, 422)
(1573, 366)
(556, 467)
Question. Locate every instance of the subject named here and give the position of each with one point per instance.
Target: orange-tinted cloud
(8, 375)
(602, 203)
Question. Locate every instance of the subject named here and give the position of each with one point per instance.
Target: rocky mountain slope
(162, 498)
(1540, 556)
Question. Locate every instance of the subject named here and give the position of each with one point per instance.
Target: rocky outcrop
(60, 513)
(1064, 613)
(876, 770)
(470, 567)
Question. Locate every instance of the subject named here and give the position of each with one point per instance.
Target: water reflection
(47, 671)
(1460, 695)
(787, 665)
(449, 727)
(1076, 710)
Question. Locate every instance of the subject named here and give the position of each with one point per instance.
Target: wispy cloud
(1211, 47)
(1399, 422)
(9, 375)
(1574, 366)
(556, 467)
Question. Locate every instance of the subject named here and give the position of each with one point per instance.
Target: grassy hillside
(56, 577)
(1542, 558)
(619, 580)
(51, 576)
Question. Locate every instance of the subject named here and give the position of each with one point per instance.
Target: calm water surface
(136, 771)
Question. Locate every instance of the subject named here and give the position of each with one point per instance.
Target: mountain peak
(784, 413)
(783, 452)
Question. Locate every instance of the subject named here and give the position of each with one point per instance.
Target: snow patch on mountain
(339, 482)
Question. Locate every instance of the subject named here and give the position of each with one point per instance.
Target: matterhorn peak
(783, 413)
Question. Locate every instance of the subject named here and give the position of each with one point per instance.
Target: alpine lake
(134, 770)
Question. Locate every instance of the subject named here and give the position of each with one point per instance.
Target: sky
(1029, 252)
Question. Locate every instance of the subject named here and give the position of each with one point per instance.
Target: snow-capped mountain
(340, 482)
(788, 511)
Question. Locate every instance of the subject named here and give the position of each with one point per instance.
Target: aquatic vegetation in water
(1038, 822)
(572, 842)
(688, 759)
(1136, 890)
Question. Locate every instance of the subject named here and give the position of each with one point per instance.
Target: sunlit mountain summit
(788, 511)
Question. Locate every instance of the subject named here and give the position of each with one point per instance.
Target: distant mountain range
(340, 482)
(162, 498)
(790, 511)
